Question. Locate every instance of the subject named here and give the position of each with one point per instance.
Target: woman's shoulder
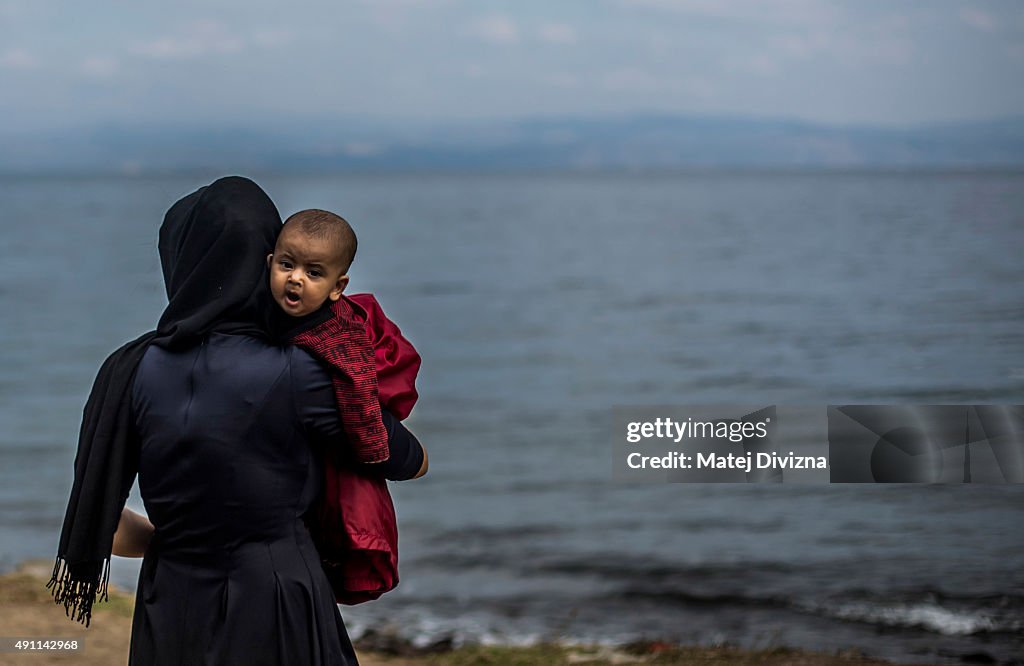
(235, 362)
(306, 368)
(230, 354)
(247, 350)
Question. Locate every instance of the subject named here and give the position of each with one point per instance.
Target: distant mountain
(636, 142)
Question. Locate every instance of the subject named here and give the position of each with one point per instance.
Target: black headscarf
(213, 248)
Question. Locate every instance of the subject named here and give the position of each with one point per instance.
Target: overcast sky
(891, 62)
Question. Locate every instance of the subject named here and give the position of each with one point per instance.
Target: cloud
(199, 39)
(10, 9)
(557, 33)
(405, 4)
(758, 64)
(99, 67)
(978, 19)
(396, 16)
(495, 30)
(802, 12)
(630, 79)
(272, 37)
(767, 36)
(203, 38)
(637, 81)
(881, 43)
(17, 59)
(563, 80)
(803, 45)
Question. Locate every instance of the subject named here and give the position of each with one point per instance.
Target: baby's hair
(326, 225)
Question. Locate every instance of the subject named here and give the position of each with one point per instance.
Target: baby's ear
(339, 287)
(270, 258)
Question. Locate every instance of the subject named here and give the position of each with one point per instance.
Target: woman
(223, 428)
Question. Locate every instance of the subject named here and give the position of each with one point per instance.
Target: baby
(308, 270)
(310, 261)
(372, 365)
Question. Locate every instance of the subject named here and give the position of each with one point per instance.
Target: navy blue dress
(228, 466)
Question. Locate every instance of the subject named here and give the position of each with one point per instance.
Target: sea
(541, 303)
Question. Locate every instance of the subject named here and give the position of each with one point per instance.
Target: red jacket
(354, 527)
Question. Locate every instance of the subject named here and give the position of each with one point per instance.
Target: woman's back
(220, 434)
(226, 472)
(222, 442)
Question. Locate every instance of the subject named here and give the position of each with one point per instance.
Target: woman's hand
(423, 467)
(133, 534)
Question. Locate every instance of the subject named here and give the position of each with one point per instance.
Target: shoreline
(27, 611)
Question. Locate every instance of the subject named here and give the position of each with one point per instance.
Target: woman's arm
(133, 534)
(316, 405)
(407, 458)
(423, 467)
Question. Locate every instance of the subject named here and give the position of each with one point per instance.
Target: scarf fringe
(78, 596)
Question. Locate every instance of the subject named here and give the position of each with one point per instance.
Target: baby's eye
(287, 265)
(315, 273)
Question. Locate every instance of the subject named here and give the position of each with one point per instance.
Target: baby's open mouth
(291, 297)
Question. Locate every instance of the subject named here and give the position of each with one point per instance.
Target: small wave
(422, 631)
(486, 534)
(926, 615)
(609, 566)
(697, 599)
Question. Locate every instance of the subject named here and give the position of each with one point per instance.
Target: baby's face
(304, 272)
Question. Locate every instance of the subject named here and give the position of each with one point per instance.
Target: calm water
(538, 303)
